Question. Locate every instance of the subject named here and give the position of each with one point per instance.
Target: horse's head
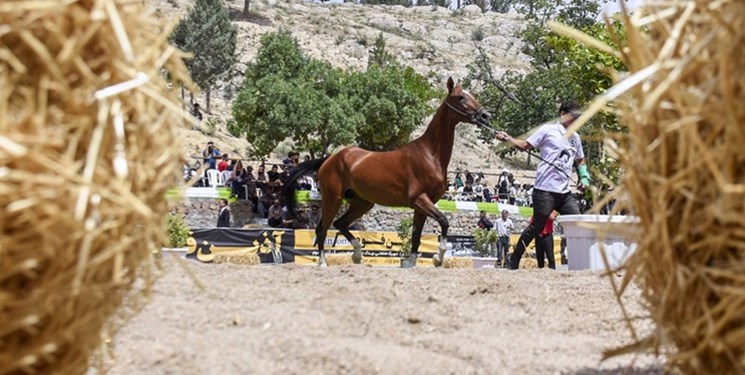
(465, 105)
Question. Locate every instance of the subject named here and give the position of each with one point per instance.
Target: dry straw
(339, 259)
(241, 257)
(87, 152)
(454, 262)
(684, 175)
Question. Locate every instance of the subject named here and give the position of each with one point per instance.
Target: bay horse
(413, 176)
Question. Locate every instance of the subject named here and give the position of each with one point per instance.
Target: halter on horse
(412, 176)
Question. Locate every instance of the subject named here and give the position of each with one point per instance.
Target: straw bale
(528, 262)
(249, 258)
(339, 259)
(684, 164)
(87, 153)
(458, 262)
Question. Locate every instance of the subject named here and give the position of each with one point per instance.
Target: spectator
(513, 193)
(315, 216)
(224, 163)
(484, 222)
(544, 243)
(458, 182)
(260, 177)
(273, 174)
(469, 178)
(196, 111)
(487, 194)
(503, 186)
(287, 220)
(302, 221)
(223, 216)
(478, 191)
(275, 215)
(504, 227)
(210, 154)
(468, 189)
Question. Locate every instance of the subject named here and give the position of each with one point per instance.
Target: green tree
(562, 69)
(209, 35)
(392, 98)
(287, 94)
(379, 56)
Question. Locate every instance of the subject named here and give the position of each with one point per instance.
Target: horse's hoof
(323, 265)
(356, 259)
(436, 260)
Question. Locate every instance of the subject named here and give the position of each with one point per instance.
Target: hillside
(435, 41)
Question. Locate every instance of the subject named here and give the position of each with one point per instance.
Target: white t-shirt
(561, 152)
(503, 227)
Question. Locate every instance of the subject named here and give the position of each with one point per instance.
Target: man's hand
(501, 136)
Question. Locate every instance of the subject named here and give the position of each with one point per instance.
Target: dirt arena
(293, 319)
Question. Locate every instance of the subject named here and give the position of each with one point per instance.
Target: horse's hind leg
(425, 205)
(416, 238)
(330, 207)
(357, 208)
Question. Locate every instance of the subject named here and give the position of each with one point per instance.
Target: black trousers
(544, 247)
(544, 202)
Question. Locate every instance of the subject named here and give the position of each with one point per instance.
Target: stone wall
(461, 222)
(202, 213)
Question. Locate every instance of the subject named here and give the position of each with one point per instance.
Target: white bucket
(588, 235)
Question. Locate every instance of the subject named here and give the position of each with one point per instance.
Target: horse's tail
(288, 189)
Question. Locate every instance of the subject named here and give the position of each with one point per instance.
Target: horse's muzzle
(482, 117)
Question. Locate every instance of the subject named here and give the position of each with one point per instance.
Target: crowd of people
(260, 186)
(474, 187)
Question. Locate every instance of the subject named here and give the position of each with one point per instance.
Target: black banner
(271, 245)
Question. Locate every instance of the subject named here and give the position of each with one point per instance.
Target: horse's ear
(451, 84)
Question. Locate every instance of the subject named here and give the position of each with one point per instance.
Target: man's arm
(582, 172)
(519, 143)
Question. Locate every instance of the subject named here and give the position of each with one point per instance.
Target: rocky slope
(437, 42)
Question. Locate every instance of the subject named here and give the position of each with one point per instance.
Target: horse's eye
(461, 98)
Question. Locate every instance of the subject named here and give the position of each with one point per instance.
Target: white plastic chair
(215, 178)
(226, 174)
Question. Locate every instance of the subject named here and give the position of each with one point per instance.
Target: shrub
(404, 233)
(210, 126)
(478, 34)
(178, 231)
(485, 242)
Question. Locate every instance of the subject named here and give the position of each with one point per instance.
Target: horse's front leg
(424, 205)
(416, 238)
(320, 242)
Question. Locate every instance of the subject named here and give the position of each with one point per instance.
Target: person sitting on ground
(315, 216)
(196, 111)
(287, 220)
(275, 215)
(302, 221)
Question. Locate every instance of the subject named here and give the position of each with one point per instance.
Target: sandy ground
(295, 319)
